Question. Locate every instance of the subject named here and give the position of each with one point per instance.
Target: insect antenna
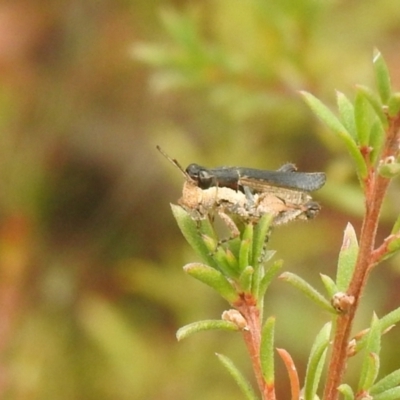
(175, 162)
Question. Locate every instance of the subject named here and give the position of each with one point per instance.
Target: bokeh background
(91, 283)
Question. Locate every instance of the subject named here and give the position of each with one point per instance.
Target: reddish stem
(375, 189)
(252, 338)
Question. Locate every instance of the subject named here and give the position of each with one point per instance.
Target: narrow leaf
(267, 350)
(362, 118)
(234, 245)
(391, 394)
(210, 243)
(292, 372)
(190, 230)
(259, 253)
(260, 237)
(385, 323)
(214, 279)
(241, 381)
(382, 77)
(389, 319)
(396, 226)
(244, 254)
(246, 279)
(377, 138)
(308, 290)
(337, 127)
(271, 272)
(232, 261)
(246, 242)
(326, 115)
(386, 383)
(347, 258)
(316, 362)
(394, 104)
(206, 325)
(223, 259)
(372, 370)
(346, 111)
(346, 391)
(375, 103)
(390, 247)
(369, 369)
(329, 284)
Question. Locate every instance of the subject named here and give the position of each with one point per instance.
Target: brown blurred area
(91, 285)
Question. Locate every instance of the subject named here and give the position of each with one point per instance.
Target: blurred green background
(92, 290)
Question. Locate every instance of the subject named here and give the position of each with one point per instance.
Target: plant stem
(252, 338)
(344, 322)
(375, 190)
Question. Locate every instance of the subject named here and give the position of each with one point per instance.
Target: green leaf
(386, 383)
(346, 111)
(374, 336)
(362, 118)
(316, 362)
(259, 253)
(370, 366)
(210, 243)
(267, 350)
(393, 241)
(385, 323)
(226, 262)
(246, 279)
(234, 245)
(260, 237)
(329, 284)
(326, 115)
(232, 261)
(206, 325)
(191, 232)
(375, 103)
(271, 272)
(214, 279)
(382, 77)
(391, 394)
(238, 377)
(336, 126)
(396, 226)
(389, 319)
(246, 247)
(394, 104)
(347, 258)
(372, 370)
(376, 141)
(393, 248)
(346, 391)
(308, 290)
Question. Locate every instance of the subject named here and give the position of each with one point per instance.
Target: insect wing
(260, 179)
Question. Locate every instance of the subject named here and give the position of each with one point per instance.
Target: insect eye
(205, 179)
(193, 170)
(200, 175)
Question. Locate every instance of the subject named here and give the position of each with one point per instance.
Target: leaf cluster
(241, 270)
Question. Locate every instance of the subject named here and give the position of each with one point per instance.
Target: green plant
(240, 270)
